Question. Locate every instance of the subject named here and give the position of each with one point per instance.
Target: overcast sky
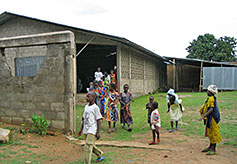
(165, 27)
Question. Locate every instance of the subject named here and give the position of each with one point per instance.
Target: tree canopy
(207, 47)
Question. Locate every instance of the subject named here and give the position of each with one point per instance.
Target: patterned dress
(113, 79)
(125, 112)
(112, 111)
(155, 119)
(212, 130)
(102, 100)
(106, 83)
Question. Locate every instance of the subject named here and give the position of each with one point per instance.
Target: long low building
(41, 66)
(185, 74)
(142, 69)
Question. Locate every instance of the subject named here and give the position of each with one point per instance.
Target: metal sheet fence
(223, 77)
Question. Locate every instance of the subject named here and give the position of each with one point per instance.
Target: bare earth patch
(174, 147)
(183, 96)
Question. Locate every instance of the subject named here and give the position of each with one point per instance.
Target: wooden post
(118, 67)
(177, 69)
(201, 78)
(174, 74)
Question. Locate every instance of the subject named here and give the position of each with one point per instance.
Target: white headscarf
(171, 91)
(213, 89)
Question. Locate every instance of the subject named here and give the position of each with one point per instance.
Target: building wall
(20, 26)
(50, 91)
(170, 76)
(187, 77)
(143, 73)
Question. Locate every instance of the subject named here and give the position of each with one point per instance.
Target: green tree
(207, 47)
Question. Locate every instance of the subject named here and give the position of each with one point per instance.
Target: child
(97, 91)
(106, 80)
(91, 128)
(112, 77)
(112, 111)
(102, 98)
(125, 99)
(155, 123)
(98, 74)
(211, 116)
(148, 106)
(175, 108)
(91, 85)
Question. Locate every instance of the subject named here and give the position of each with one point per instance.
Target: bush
(40, 124)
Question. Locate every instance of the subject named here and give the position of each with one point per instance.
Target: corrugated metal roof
(6, 16)
(199, 60)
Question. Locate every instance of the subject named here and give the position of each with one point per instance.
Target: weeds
(40, 124)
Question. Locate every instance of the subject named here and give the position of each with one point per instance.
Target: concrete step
(4, 135)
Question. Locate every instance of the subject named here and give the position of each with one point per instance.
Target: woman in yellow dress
(211, 116)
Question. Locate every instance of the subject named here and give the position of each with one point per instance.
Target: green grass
(226, 101)
(192, 128)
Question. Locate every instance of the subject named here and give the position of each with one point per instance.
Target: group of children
(107, 99)
(174, 107)
(94, 113)
(105, 78)
(209, 112)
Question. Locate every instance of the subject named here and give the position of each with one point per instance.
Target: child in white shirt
(98, 75)
(91, 128)
(155, 123)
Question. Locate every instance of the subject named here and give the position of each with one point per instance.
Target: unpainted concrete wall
(143, 73)
(20, 26)
(51, 91)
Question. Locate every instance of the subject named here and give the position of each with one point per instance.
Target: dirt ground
(174, 148)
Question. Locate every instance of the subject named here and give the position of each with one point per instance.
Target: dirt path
(174, 148)
(177, 147)
(131, 144)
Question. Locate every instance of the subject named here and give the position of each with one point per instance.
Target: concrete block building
(142, 69)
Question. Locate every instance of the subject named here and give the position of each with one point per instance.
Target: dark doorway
(92, 57)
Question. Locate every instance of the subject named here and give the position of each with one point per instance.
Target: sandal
(205, 150)
(211, 153)
(100, 159)
(151, 143)
(171, 130)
